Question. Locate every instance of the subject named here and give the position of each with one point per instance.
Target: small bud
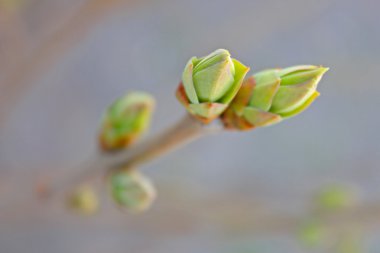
(126, 120)
(298, 89)
(132, 191)
(84, 200)
(272, 95)
(312, 234)
(335, 198)
(210, 83)
(12, 5)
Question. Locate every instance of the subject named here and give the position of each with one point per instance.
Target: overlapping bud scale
(272, 95)
(210, 83)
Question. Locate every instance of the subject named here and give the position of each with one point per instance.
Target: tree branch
(186, 130)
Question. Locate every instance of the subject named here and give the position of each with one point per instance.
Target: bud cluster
(210, 83)
(213, 86)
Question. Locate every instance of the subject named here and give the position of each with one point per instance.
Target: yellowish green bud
(240, 115)
(132, 191)
(213, 76)
(312, 234)
(272, 95)
(12, 5)
(126, 120)
(335, 198)
(298, 88)
(84, 200)
(210, 83)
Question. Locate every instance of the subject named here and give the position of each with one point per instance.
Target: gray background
(210, 191)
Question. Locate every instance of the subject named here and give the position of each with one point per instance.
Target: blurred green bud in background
(84, 200)
(210, 83)
(132, 191)
(272, 95)
(335, 198)
(312, 234)
(12, 5)
(126, 120)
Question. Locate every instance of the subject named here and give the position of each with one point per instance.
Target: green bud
(12, 5)
(312, 234)
(210, 83)
(266, 86)
(84, 200)
(335, 198)
(132, 191)
(213, 76)
(272, 95)
(298, 86)
(126, 120)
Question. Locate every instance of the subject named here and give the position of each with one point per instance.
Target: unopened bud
(126, 120)
(272, 95)
(335, 198)
(84, 200)
(312, 234)
(210, 83)
(297, 90)
(132, 191)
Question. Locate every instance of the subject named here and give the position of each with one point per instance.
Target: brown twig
(185, 131)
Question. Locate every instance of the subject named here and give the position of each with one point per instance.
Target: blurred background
(310, 184)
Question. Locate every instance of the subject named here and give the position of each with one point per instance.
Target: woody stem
(186, 130)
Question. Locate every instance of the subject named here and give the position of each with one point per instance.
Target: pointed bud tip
(219, 55)
(222, 51)
(325, 69)
(322, 69)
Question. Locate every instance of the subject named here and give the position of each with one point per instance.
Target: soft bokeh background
(63, 62)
